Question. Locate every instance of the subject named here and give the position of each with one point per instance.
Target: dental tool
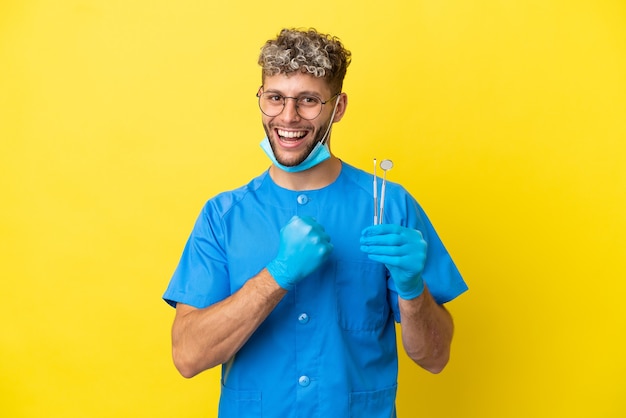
(385, 165)
(375, 195)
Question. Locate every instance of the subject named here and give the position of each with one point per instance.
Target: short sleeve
(440, 273)
(201, 277)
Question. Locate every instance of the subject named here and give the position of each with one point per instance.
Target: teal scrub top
(329, 348)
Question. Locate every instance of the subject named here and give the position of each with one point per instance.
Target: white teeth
(291, 134)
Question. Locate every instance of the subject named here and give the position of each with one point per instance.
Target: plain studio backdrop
(506, 120)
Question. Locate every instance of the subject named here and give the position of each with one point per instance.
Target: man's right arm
(204, 338)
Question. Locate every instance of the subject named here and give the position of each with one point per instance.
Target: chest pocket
(361, 289)
(379, 404)
(239, 404)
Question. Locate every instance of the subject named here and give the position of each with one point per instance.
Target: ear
(342, 104)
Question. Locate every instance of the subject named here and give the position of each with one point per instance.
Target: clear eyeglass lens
(308, 107)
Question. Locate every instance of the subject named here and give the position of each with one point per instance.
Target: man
(287, 283)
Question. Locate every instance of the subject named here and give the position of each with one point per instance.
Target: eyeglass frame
(322, 102)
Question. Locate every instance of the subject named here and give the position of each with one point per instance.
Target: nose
(290, 111)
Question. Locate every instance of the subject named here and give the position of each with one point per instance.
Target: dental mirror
(385, 165)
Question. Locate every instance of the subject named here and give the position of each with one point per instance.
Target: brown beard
(318, 137)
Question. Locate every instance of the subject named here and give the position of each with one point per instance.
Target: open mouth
(290, 137)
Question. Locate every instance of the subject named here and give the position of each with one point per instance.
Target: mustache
(292, 128)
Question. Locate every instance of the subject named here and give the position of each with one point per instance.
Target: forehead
(296, 83)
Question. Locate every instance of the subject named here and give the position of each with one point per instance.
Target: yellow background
(506, 119)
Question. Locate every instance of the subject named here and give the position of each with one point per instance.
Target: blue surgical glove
(304, 246)
(402, 250)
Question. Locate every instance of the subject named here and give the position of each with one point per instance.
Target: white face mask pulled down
(319, 153)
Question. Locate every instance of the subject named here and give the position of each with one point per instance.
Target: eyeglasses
(307, 106)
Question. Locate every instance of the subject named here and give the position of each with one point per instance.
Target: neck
(314, 178)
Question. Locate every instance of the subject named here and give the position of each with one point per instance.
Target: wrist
(278, 272)
(413, 291)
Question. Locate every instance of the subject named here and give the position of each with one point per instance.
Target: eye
(308, 100)
(273, 97)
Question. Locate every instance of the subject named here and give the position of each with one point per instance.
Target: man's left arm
(427, 330)
(426, 326)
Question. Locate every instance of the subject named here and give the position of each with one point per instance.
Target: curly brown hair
(307, 51)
